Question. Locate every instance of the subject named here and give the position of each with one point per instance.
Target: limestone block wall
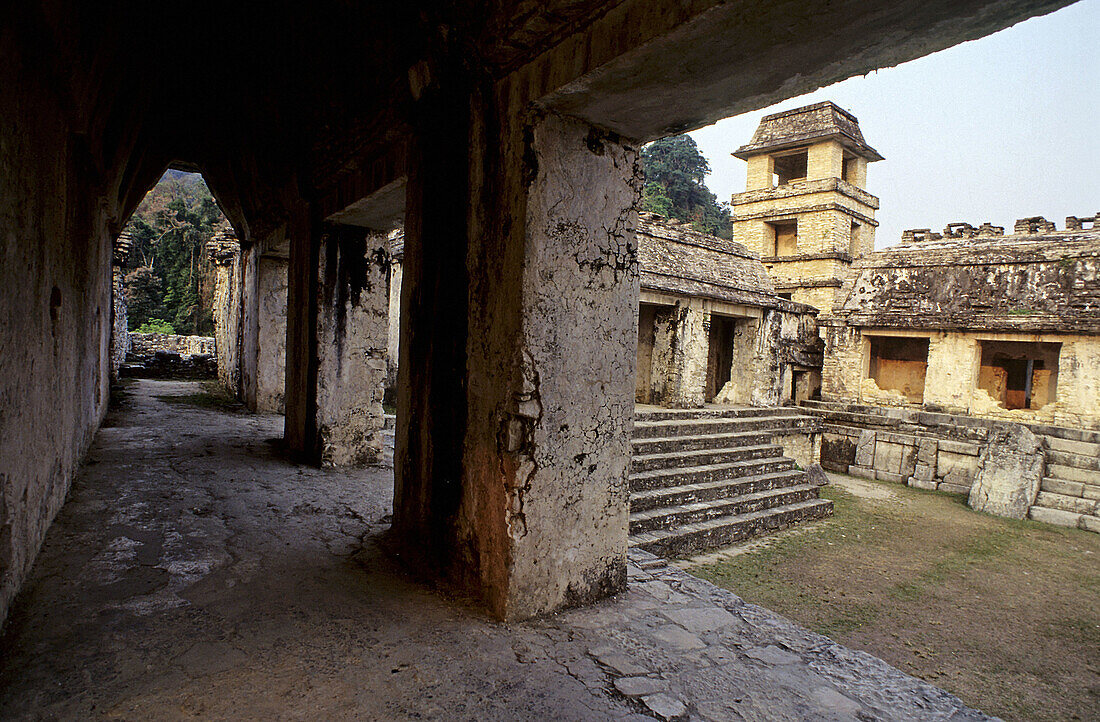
(951, 381)
(247, 358)
(55, 309)
(352, 332)
(149, 343)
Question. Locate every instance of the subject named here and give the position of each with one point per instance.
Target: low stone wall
(148, 343)
(908, 446)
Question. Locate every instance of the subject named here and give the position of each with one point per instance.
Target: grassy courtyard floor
(1005, 614)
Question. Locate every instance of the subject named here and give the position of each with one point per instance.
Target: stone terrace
(217, 579)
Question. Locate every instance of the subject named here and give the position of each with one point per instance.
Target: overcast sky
(991, 130)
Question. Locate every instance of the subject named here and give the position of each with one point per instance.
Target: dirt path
(1004, 614)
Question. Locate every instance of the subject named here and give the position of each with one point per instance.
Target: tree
(675, 173)
(172, 278)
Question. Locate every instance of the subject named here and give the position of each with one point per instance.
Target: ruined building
(504, 136)
(805, 210)
(939, 338)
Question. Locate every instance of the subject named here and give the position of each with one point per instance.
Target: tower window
(782, 238)
(856, 237)
(790, 168)
(849, 171)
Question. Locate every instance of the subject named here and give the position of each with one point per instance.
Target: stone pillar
(225, 253)
(516, 380)
(393, 344)
(690, 347)
(270, 365)
(352, 330)
(300, 399)
(120, 330)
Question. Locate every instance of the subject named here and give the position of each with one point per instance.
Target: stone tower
(804, 209)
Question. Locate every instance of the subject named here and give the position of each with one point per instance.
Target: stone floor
(195, 573)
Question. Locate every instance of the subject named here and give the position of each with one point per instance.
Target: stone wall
(688, 279)
(271, 299)
(149, 343)
(965, 287)
(55, 302)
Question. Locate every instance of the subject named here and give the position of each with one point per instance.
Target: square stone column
(352, 332)
(516, 378)
(686, 387)
(271, 297)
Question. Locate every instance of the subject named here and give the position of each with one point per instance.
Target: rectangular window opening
(848, 173)
(783, 238)
(854, 247)
(1019, 374)
(791, 167)
(900, 364)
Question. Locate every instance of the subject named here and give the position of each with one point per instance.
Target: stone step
(726, 530)
(714, 412)
(1083, 448)
(664, 444)
(1069, 458)
(683, 476)
(1072, 473)
(1060, 517)
(702, 457)
(1075, 504)
(1070, 488)
(724, 488)
(687, 514)
(389, 421)
(723, 425)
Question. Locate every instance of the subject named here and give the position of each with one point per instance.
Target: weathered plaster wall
(250, 323)
(567, 494)
(352, 329)
(271, 292)
(55, 312)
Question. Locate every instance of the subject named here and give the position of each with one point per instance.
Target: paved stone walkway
(196, 574)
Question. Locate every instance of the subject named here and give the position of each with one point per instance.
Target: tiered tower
(804, 209)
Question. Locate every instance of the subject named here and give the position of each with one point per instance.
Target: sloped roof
(1029, 283)
(810, 123)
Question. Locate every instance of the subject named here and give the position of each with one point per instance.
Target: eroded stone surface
(229, 582)
(1010, 471)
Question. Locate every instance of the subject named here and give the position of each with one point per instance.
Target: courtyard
(1005, 614)
(198, 573)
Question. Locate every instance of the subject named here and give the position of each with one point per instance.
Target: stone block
(865, 450)
(863, 472)
(1090, 491)
(956, 469)
(1010, 471)
(887, 476)
(927, 450)
(816, 475)
(927, 484)
(1054, 516)
(888, 457)
(953, 488)
(1061, 486)
(1089, 523)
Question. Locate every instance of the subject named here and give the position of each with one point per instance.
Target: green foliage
(171, 276)
(155, 325)
(675, 172)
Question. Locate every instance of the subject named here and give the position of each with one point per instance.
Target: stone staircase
(707, 478)
(1070, 491)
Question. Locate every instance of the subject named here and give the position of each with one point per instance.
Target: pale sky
(995, 129)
